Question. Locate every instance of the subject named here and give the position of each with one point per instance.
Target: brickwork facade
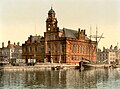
(62, 45)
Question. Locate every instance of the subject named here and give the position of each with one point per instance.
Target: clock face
(48, 28)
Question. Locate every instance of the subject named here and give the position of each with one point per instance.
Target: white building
(5, 54)
(12, 51)
(109, 56)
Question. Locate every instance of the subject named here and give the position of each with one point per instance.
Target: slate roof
(71, 33)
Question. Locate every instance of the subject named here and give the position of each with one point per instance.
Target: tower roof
(51, 11)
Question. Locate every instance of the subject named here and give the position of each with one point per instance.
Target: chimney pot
(84, 31)
(8, 42)
(18, 43)
(2, 44)
(78, 29)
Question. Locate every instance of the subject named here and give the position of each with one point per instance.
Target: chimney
(84, 31)
(14, 44)
(78, 29)
(78, 33)
(9, 42)
(2, 44)
(18, 43)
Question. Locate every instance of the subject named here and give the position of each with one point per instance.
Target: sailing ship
(87, 63)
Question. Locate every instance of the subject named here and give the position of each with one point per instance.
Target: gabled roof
(34, 39)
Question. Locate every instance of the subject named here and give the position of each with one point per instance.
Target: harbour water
(61, 79)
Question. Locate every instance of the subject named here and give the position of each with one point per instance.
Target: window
(62, 58)
(12, 50)
(63, 48)
(35, 48)
(73, 57)
(83, 49)
(80, 49)
(48, 37)
(87, 49)
(106, 58)
(55, 48)
(73, 47)
(42, 50)
(55, 58)
(80, 58)
(55, 37)
(48, 46)
(39, 50)
(30, 49)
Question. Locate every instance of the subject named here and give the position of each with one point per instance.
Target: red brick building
(33, 48)
(62, 45)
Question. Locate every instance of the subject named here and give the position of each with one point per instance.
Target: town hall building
(59, 45)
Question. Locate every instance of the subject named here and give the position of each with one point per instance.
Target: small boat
(57, 68)
(89, 65)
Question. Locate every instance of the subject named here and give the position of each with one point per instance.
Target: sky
(21, 18)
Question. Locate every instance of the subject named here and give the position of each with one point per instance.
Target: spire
(51, 6)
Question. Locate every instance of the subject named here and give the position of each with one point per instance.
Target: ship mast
(96, 39)
(90, 43)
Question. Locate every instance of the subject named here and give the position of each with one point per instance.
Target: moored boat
(89, 65)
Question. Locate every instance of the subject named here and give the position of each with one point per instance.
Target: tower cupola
(51, 13)
(51, 22)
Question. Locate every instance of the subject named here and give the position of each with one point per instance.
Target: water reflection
(64, 79)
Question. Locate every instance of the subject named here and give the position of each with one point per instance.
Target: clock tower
(51, 22)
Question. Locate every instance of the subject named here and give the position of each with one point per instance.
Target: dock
(39, 66)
